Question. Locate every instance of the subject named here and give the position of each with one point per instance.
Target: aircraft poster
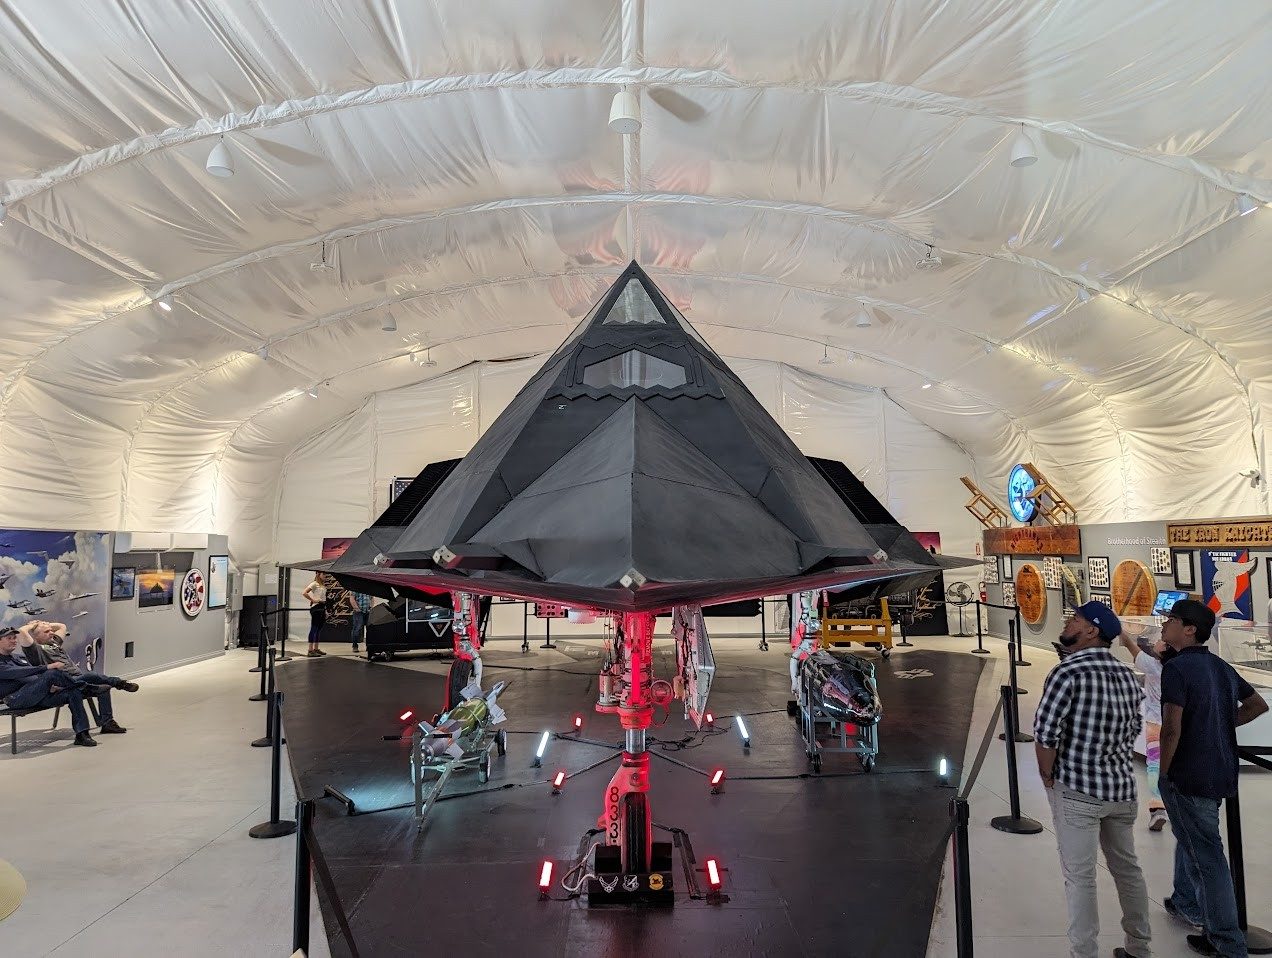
(1225, 582)
(58, 577)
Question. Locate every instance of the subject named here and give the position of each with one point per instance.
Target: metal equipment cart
(823, 733)
(875, 633)
(430, 774)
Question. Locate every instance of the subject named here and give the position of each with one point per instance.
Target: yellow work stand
(875, 633)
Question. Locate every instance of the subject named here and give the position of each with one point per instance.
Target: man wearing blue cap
(1084, 733)
(1203, 702)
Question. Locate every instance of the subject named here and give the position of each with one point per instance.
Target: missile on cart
(459, 732)
(844, 687)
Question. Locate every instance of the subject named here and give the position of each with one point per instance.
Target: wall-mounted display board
(1134, 590)
(1031, 594)
(1072, 588)
(1251, 533)
(1035, 541)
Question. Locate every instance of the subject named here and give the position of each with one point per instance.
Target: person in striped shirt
(1084, 731)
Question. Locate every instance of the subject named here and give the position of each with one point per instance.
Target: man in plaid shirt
(1084, 733)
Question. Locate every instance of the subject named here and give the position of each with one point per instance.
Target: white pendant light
(389, 324)
(864, 319)
(825, 360)
(428, 357)
(1246, 205)
(624, 116)
(1024, 152)
(164, 303)
(220, 163)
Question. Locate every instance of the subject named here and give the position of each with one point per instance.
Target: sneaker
(1175, 913)
(83, 738)
(1122, 953)
(128, 686)
(112, 728)
(312, 654)
(1202, 945)
(1157, 819)
(356, 650)
(319, 652)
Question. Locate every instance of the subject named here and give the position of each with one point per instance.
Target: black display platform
(846, 863)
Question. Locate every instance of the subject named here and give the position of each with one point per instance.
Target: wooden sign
(1134, 589)
(1245, 533)
(1031, 594)
(1034, 541)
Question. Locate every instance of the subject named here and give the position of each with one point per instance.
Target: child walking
(1149, 661)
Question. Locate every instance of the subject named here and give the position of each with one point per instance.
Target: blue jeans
(51, 689)
(1203, 883)
(357, 622)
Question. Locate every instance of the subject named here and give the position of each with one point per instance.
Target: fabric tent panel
(835, 421)
(409, 156)
(1097, 58)
(326, 487)
(434, 420)
(234, 57)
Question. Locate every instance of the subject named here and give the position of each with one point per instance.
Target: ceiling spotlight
(1246, 205)
(864, 320)
(927, 386)
(389, 324)
(930, 261)
(825, 360)
(428, 357)
(220, 163)
(624, 116)
(165, 303)
(1024, 152)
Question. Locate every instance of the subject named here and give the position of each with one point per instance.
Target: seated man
(43, 645)
(27, 686)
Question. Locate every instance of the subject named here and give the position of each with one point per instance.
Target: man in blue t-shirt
(1203, 702)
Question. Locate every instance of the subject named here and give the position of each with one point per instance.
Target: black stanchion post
(275, 827)
(268, 739)
(260, 649)
(525, 626)
(262, 695)
(903, 644)
(1021, 738)
(300, 893)
(1015, 823)
(282, 641)
(1258, 940)
(961, 813)
(1020, 652)
(980, 641)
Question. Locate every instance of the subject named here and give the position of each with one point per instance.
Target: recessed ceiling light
(1024, 152)
(220, 163)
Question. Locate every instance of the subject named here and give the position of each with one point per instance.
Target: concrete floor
(139, 848)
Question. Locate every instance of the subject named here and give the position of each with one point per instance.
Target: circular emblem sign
(1019, 485)
(1031, 594)
(193, 593)
(1134, 589)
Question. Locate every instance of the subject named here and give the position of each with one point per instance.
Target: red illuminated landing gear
(629, 866)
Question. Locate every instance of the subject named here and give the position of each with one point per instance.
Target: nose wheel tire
(483, 768)
(501, 742)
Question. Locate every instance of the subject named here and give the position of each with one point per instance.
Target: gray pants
(1081, 822)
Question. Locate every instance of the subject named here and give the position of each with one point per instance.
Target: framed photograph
(1051, 576)
(1098, 572)
(1182, 563)
(1104, 597)
(991, 570)
(1009, 593)
(1009, 574)
(155, 588)
(218, 581)
(1159, 560)
(123, 582)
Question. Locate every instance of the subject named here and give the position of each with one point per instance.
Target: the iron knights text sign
(1256, 533)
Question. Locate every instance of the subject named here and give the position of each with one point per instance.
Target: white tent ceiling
(1104, 312)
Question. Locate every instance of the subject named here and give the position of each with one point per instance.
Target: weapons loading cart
(874, 632)
(461, 740)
